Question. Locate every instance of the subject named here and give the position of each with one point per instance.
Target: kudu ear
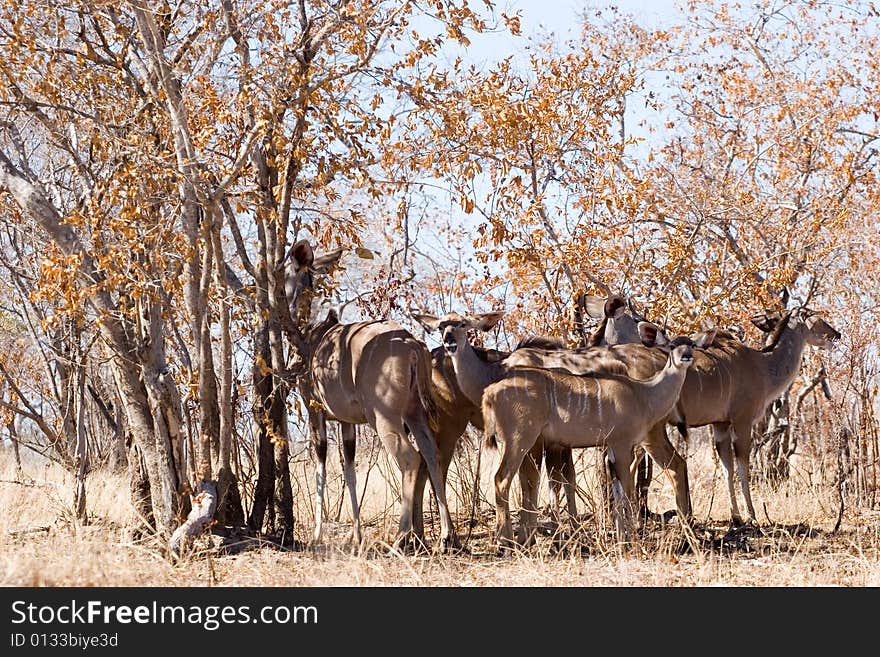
(652, 335)
(323, 263)
(428, 322)
(615, 306)
(303, 255)
(485, 321)
(705, 338)
(595, 306)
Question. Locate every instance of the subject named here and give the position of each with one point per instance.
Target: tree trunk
(81, 455)
(13, 436)
(139, 484)
(265, 486)
(229, 510)
(199, 519)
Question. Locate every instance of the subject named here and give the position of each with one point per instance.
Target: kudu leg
(560, 474)
(724, 448)
(318, 426)
(742, 446)
(428, 449)
(348, 450)
(397, 445)
(447, 439)
(508, 467)
(661, 450)
(529, 480)
(626, 501)
(644, 473)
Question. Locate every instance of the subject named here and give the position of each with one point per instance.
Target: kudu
(728, 387)
(375, 372)
(475, 368)
(618, 320)
(604, 409)
(454, 412)
(372, 372)
(619, 325)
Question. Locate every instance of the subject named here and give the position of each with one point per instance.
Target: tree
(169, 154)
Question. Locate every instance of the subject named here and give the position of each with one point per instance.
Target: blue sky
(562, 18)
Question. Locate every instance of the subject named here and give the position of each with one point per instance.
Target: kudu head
(619, 317)
(454, 327)
(301, 267)
(680, 348)
(816, 331)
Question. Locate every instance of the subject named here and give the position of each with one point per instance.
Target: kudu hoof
(506, 547)
(410, 543)
(451, 545)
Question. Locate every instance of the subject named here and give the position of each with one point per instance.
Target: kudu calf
(597, 409)
(475, 371)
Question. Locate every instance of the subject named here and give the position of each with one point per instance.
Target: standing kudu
(454, 412)
(754, 378)
(619, 326)
(344, 358)
(611, 410)
(377, 373)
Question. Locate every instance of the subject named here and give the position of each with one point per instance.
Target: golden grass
(40, 545)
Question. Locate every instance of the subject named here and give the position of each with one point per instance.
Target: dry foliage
(158, 167)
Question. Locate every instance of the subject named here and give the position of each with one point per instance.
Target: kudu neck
(782, 363)
(615, 331)
(473, 373)
(663, 389)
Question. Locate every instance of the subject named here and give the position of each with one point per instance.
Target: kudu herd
(619, 392)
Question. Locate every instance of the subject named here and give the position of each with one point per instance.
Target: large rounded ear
(322, 263)
(428, 322)
(652, 335)
(705, 338)
(595, 306)
(615, 306)
(303, 255)
(485, 321)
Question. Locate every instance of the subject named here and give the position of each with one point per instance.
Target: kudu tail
(420, 372)
(489, 438)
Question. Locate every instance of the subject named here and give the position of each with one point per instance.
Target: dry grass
(794, 545)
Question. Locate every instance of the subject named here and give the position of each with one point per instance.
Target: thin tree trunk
(81, 456)
(13, 436)
(265, 486)
(139, 484)
(229, 510)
